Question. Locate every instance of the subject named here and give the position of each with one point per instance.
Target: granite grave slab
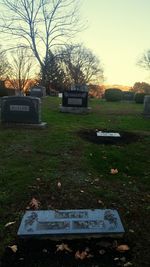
(75, 102)
(38, 91)
(70, 224)
(21, 110)
(75, 99)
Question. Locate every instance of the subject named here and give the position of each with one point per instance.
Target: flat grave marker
(107, 134)
(71, 224)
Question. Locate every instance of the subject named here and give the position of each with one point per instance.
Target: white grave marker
(107, 134)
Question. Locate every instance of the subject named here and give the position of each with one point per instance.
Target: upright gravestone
(69, 224)
(38, 91)
(21, 110)
(146, 112)
(75, 102)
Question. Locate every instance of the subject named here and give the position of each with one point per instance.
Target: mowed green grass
(57, 153)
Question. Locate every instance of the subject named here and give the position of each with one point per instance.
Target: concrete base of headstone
(77, 110)
(25, 125)
(71, 224)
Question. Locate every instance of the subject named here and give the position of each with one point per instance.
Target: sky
(118, 33)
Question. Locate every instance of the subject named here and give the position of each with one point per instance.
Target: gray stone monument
(38, 91)
(21, 110)
(75, 102)
(146, 112)
(70, 224)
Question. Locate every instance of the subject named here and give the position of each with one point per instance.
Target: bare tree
(21, 69)
(144, 61)
(81, 65)
(40, 24)
(4, 65)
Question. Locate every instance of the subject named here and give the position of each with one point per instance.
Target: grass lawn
(58, 153)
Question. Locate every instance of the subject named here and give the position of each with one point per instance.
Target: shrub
(113, 94)
(3, 92)
(128, 95)
(139, 98)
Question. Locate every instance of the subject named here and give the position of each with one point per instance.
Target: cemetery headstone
(75, 102)
(22, 110)
(38, 91)
(146, 112)
(71, 224)
(79, 87)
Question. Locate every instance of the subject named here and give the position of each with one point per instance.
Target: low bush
(113, 94)
(139, 98)
(128, 96)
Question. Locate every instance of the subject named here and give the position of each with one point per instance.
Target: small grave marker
(70, 224)
(107, 134)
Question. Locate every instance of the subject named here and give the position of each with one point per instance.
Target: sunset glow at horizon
(118, 33)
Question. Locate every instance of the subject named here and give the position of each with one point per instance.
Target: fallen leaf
(13, 248)
(82, 191)
(63, 247)
(100, 202)
(34, 204)
(9, 223)
(113, 171)
(122, 248)
(59, 185)
(131, 231)
(44, 250)
(128, 264)
(116, 259)
(81, 255)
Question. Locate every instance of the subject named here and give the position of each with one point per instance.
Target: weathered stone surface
(70, 224)
(146, 112)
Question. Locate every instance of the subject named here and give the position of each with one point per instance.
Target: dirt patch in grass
(125, 137)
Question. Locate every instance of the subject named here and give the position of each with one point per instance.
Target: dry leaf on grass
(122, 248)
(81, 255)
(100, 202)
(113, 171)
(9, 223)
(13, 248)
(128, 264)
(59, 185)
(63, 247)
(34, 204)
